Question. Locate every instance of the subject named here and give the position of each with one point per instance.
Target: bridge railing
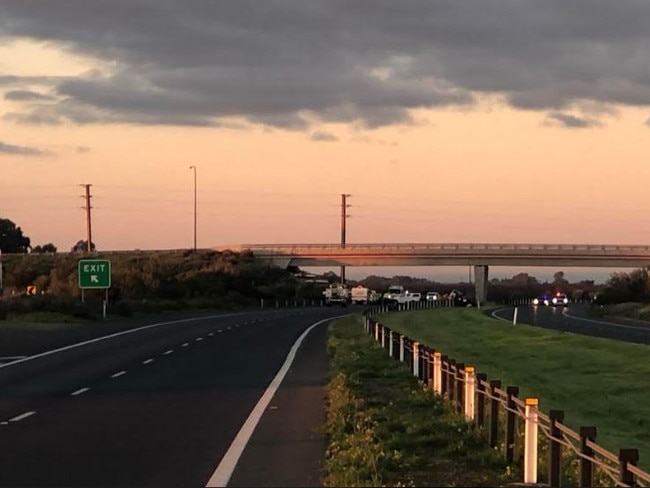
(485, 403)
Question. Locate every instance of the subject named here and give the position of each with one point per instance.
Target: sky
(445, 121)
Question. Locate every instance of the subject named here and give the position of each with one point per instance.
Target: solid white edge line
(116, 334)
(20, 417)
(79, 391)
(226, 467)
(611, 324)
(494, 314)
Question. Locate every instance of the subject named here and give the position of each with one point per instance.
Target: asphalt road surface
(161, 406)
(574, 318)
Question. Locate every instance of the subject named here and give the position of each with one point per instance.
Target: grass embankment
(385, 429)
(596, 381)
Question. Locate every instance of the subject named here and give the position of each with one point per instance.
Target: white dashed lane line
(118, 374)
(147, 361)
(198, 339)
(79, 391)
(22, 416)
(220, 331)
(169, 351)
(185, 344)
(210, 334)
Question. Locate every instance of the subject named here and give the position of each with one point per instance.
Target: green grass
(385, 429)
(596, 381)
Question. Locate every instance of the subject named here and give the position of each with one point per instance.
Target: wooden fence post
(494, 414)
(480, 400)
(511, 416)
(586, 465)
(625, 458)
(555, 451)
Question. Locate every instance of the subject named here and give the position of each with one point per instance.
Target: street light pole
(194, 168)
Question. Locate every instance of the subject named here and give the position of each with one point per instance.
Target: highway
(161, 406)
(574, 318)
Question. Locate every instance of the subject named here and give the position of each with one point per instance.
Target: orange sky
(489, 173)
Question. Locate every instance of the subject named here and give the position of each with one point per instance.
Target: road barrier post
(416, 359)
(377, 331)
(511, 416)
(451, 380)
(514, 317)
(586, 465)
(401, 348)
(390, 343)
(480, 403)
(625, 458)
(383, 337)
(470, 393)
(444, 372)
(530, 440)
(494, 413)
(437, 372)
(460, 387)
(555, 450)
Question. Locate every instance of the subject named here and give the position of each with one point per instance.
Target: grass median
(385, 429)
(596, 381)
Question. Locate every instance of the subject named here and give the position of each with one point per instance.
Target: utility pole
(344, 216)
(194, 168)
(89, 234)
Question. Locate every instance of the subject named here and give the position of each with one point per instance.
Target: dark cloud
(20, 150)
(571, 121)
(323, 136)
(26, 96)
(367, 62)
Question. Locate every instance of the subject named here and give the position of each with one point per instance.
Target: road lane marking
(228, 328)
(226, 467)
(601, 322)
(185, 344)
(118, 374)
(22, 416)
(116, 334)
(220, 331)
(210, 334)
(79, 391)
(169, 351)
(199, 339)
(147, 361)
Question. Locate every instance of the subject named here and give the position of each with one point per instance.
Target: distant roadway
(574, 318)
(163, 405)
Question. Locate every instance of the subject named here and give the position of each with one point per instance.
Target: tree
(82, 245)
(12, 239)
(48, 248)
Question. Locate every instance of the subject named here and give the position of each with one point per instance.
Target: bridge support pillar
(480, 283)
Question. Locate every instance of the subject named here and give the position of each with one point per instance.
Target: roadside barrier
(485, 401)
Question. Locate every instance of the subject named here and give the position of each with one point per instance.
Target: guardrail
(484, 402)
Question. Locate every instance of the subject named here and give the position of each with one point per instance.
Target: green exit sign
(94, 273)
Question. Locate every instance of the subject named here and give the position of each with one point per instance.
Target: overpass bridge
(481, 256)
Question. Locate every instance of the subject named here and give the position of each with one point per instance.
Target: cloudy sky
(446, 121)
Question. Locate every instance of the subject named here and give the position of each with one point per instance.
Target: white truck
(395, 294)
(360, 295)
(337, 294)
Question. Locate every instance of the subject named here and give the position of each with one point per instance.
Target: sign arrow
(93, 279)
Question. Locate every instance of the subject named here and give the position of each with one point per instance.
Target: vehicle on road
(560, 300)
(395, 294)
(432, 296)
(337, 294)
(360, 295)
(542, 300)
(413, 296)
